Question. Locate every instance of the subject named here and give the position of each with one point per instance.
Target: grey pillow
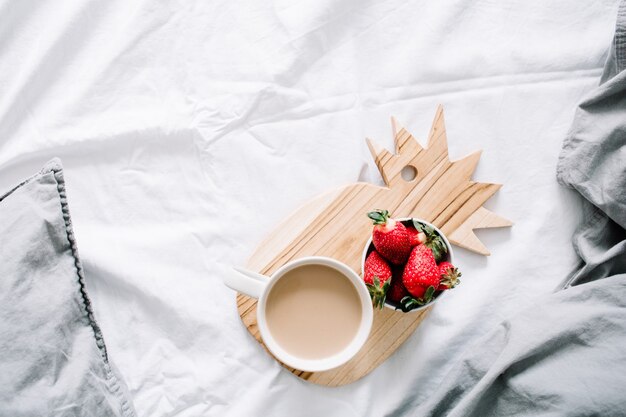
(53, 361)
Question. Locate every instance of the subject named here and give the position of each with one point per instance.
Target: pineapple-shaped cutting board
(335, 225)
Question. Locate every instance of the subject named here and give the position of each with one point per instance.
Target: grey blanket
(566, 355)
(53, 360)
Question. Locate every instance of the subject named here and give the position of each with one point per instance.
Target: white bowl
(448, 257)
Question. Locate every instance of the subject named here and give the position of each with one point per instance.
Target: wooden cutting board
(335, 225)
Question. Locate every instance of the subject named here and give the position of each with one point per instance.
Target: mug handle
(246, 282)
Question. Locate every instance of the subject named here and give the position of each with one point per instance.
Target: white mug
(259, 286)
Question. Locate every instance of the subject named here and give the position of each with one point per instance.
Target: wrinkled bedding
(187, 131)
(564, 356)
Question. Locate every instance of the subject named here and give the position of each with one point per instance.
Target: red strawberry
(449, 276)
(397, 291)
(421, 273)
(415, 236)
(377, 276)
(390, 237)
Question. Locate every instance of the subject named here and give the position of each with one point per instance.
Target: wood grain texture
(335, 225)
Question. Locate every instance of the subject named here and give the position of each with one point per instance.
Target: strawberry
(432, 240)
(449, 276)
(415, 237)
(390, 237)
(397, 291)
(420, 277)
(377, 277)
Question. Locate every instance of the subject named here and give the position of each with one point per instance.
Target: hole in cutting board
(408, 173)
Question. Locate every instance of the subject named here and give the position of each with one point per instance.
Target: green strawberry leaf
(433, 240)
(406, 303)
(428, 295)
(378, 216)
(406, 299)
(378, 294)
(408, 306)
(409, 303)
(418, 226)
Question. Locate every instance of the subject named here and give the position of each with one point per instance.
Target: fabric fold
(53, 356)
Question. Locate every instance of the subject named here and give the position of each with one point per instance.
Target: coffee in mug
(313, 311)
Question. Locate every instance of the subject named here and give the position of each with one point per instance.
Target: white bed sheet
(189, 129)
